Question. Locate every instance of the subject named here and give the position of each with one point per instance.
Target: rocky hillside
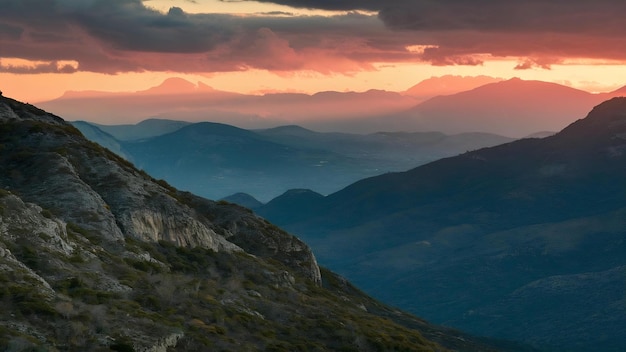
(96, 255)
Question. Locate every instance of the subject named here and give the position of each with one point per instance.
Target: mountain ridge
(520, 112)
(448, 84)
(217, 163)
(477, 227)
(512, 108)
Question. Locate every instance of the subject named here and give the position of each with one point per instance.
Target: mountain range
(523, 241)
(97, 255)
(514, 108)
(216, 160)
(448, 104)
(177, 99)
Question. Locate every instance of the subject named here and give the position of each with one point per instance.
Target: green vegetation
(74, 229)
(221, 301)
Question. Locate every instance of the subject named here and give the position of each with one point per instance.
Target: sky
(48, 47)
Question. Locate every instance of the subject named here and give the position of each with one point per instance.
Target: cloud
(564, 16)
(269, 51)
(332, 5)
(529, 28)
(48, 67)
(9, 32)
(543, 63)
(124, 35)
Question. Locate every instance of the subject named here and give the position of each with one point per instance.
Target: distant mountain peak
(289, 130)
(526, 86)
(177, 85)
(243, 199)
(448, 84)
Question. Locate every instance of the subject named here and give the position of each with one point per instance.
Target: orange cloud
(126, 36)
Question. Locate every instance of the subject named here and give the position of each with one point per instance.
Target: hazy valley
(365, 134)
(217, 160)
(523, 241)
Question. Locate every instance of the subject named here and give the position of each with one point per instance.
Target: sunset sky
(50, 46)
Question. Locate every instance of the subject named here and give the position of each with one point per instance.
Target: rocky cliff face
(96, 255)
(51, 164)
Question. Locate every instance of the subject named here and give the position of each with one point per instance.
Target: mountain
(279, 207)
(178, 99)
(94, 133)
(243, 199)
(144, 129)
(173, 95)
(394, 150)
(178, 86)
(447, 85)
(265, 163)
(522, 241)
(97, 255)
(216, 160)
(514, 108)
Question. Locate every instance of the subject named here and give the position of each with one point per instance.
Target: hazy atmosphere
(257, 47)
(300, 175)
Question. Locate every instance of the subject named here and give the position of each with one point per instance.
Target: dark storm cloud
(10, 32)
(118, 24)
(529, 16)
(51, 67)
(123, 35)
(129, 25)
(332, 5)
(565, 16)
(544, 31)
(113, 36)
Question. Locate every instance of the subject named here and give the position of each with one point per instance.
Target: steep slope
(96, 255)
(463, 240)
(513, 108)
(94, 133)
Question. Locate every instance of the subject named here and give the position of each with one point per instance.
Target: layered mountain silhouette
(178, 99)
(217, 160)
(524, 240)
(447, 85)
(243, 199)
(514, 108)
(449, 104)
(142, 130)
(97, 255)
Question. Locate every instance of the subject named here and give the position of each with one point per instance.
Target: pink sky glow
(48, 47)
